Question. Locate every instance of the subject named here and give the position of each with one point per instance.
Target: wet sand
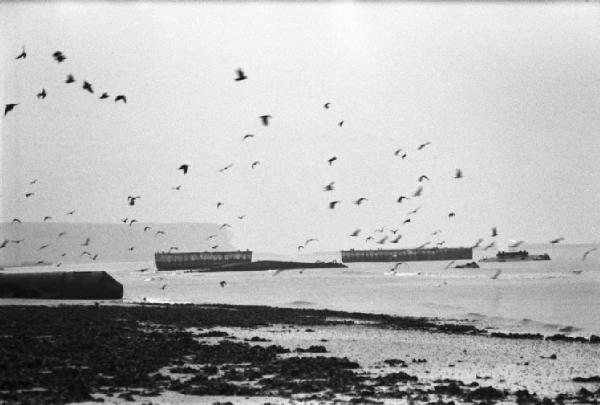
(243, 354)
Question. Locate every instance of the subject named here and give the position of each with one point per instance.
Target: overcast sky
(509, 93)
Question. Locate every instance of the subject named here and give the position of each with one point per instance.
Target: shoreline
(75, 353)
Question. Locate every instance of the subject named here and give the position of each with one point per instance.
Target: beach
(251, 354)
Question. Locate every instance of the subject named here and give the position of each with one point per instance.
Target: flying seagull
(449, 264)
(406, 221)
(132, 221)
(265, 119)
(59, 56)
(476, 245)
(451, 215)
(241, 217)
(229, 166)
(254, 164)
(22, 55)
(397, 239)
(43, 247)
(300, 247)
(147, 228)
(491, 245)
(70, 212)
(360, 200)
(124, 220)
(383, 240)
(86, 243)
(423, 145)
(87, 86)
(495, 276)
(368, 238)
(418, 192)
(177, 187)
(341, 123)
(423, 177)
(224, 226)
(355, 233)
(515, 243)
(131, 199)
(223, 283)
(397, 152)
(557, 240)
(159, 233)
(310, 240)
(70, 79)
(184, 168)
(61, 234)
(326, 105)
(103, 96)
(42, 94)
(219, 204)
(247, 136)
(47, 217)
(458, 174)
(494, 232)
(329, 187)
(402, 198)
(16, 220)
(4, 243)
(331, 160)
(121, 97)
(588, 252)
(33, 181)
(9, 107)
(27, 195)
(332, 204)
(240, 75)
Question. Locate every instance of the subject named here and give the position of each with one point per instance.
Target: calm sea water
(561, 295)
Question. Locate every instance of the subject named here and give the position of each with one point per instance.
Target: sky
(509, 93)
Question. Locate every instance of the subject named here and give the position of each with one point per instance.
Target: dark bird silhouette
(43, 247)
(383, 240)
(22, 55)
(380, 230)
(397, 239)
(70, 79)
(436, 232)
(9, 107)
(70, 212)
(265, 119)
(421, 146)
(397, 152)
(104, 96)
(406, 221)
(491, 245)
(212, 236)
(240, 75)
(131, 199)
(229, 166)
(240, 217)
(368, 238)
(124, 220)
(355, 233)
(247, 136)
(163, 287)
(423, 245)
(341, 123)
(394, 231)
(310, 240)
(451, 215)
(59, 56)
(458, 174)
(223, 283)
(184, 168)
(159, 233)
(423, 177)
(332, 204)
(415, 210)
(557, 240)
(177, 187)
(4, 243)
(219, 204)
(95, 256)
(300, 247)
(403, 156)
(131, 248)
(585, 255)
(42, 94)
(16, 220)
(329, 187)
(360, 200)
(147, 228)
(214, 247)
(418, 192)
(172, 248)
(121, 97)
(494, 232)
(27, 195)
(40, 262)
(33, 181)
(132, 221)
(63, 255)
(331, 160)
(449, 264)
(86, 243)
(17, 241)
(224, 226)
(402, 198)
(87, 86)
(254, 164)
(326, 105)
(476, 245)
(61, 234)
(47, 217)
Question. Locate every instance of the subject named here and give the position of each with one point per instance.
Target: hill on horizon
(111, 242)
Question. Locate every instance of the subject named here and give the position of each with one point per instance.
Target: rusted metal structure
(199, 260)
(406, 255)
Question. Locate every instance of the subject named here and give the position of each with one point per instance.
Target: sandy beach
(250, 354)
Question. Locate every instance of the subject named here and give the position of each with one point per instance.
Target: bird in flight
(211, 236)
(406, 221)
(16, 220)
(132, 221)
(121, 97)
(33, 181)
(265, 119)
(326, 105)
(219, 204)
(4, 243)
(254, 164)
(184, 168)
(43, 247)
(458, 174)
(229, 166)
(22, 55)
(341, 123)
(380, 230)
(59, 56)
(173, 248)
(163, 287)
(421, 146)
(70, 79)
(27, 195)
(224, 226)
(383, 240)
(436, 232)
(494, 232)
(240, 75)
(131, 248)
(332, 204)
(414, 211)
(214, 247)
(329, 187)
(177, 187)
(47, 217)
(61, 234)
(42, 94)
(240, 217)
(397, 152)
(223, 283)
(159, 233)
(310, 240)
(557, 240)
(355, 233)
(418, 192)
(491, 245)
(476, 245)
(87, 86)
(131, 199)
(423, 245)
(587, 252)
(86, 243)
(331, 160)
(496, 274)
(70, 212)
(515, 243)
(247, 136)
(451, 215)
(360, 200)
(9, 107)
(449, 264)
(300, 247)
(423, 177)
(124, 220)
(397, 239)
(402, 198)
(147, 228)
(394, 231)
(104, 96)
(368, 238)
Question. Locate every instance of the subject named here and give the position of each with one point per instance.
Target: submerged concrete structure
(76, 285)
(406, 255)
(199, 260)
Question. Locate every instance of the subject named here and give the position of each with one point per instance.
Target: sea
(557, 296)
